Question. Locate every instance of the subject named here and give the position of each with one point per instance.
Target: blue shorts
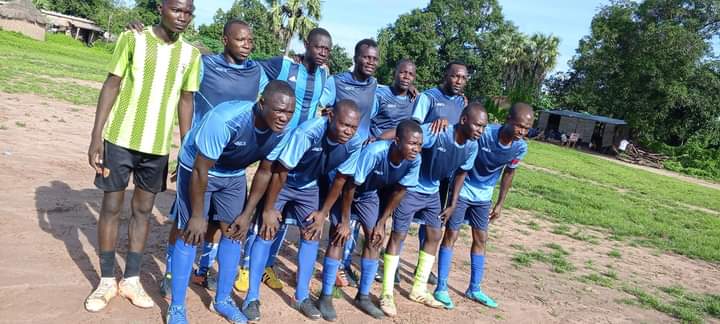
(296, 205)
(476, 214)
(424, 208)
(365, 209)
(224, 198)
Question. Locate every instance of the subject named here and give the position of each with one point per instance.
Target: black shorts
(149, 171)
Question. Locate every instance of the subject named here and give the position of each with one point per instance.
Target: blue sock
(477, 264)
(422, 234)
(444, 264)
(330, 268)
(247, 247)
(168, 258)
(368, 268)
(306, 264)
(350, 245)
(183, 257)
(207, 258)
(228, 258)
(277, 244)
(258, 254)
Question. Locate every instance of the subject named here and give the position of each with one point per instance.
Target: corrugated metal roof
(586, 116)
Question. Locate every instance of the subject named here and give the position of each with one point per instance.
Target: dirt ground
(49, 210)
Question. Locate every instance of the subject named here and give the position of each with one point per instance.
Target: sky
(569, 20)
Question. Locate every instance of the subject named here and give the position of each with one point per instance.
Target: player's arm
(318, 216)
(185, 112)
(342, 230)
(270, 216)
(378, 233)
(197, 225)
(238, 229)
(505, 184)
(457, 185)
(108, 95)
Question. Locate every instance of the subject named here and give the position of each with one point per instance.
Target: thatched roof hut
(21, 16)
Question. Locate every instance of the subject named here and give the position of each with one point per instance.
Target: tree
(80, 8)
(293, 17)
(339, 60)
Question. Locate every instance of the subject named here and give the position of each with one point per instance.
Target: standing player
(213, 159)
(307, 80)
(449, 152)
(318, 146)
(152, 74)
(381, 164)
(394, 103)
(501, 150)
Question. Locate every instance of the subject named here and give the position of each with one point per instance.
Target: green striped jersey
(154, 74)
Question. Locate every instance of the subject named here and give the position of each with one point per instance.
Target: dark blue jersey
(344, 86)
(375, 170)
(433, 104)
(441, 157)
(391, 110)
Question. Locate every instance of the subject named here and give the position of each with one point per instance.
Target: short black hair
(404, 61)
(518, 108)
(407, 127)
(317, 31)
(346, 104)
(474, 105)
(447, 68)
(226, 28)
(369, 42)
(278, 87)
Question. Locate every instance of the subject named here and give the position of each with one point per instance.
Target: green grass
(556, 258)
(619, 200)
(615, 254)
(20, 124)
(679, 303)
(43, 68)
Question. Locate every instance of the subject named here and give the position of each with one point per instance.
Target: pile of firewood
(636, 155)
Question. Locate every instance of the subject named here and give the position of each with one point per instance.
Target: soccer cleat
(327, 310)
(387, 304)
(176, 315)
(166, 286)
(132, 290)
(207, 281)
(242, 283)
(444, 298)
(270, 279)
(426, 299)
(481, 298)
(308, 309)
(228, 310)
(252, 311)
(101, 296)
(366, 305)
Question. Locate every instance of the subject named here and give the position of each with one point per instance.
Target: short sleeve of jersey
(272, 66)
(292, 151)
(191, 81)
(515, 162)
(422, 106)
(428, 136)
(327, 98)
(411, 178)
(212, 136)
(365, 164)
(470, 162)
(122, 54)
(350, 165)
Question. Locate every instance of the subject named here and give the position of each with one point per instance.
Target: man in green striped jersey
(152, 75)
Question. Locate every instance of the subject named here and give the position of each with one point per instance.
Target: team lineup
(328, 148)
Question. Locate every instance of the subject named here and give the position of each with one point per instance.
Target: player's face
(410, 145)
(176, 15)
(277, 111)
(405, 76)
(456, 79)
(239, 42)
(367, 60)
(520, 125)
(343, 126)
(476, 124)
(318, 49)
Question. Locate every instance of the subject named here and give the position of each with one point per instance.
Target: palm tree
(527, 61)
(292, 17)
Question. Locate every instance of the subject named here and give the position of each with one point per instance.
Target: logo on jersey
(292, 79)
(378, 172)
(392, 106)
(241, 143)
(486, 149)
(349, 88)
(316, 149)
(440, 104)
(442, 149)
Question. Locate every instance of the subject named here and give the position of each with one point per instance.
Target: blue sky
(567, 19)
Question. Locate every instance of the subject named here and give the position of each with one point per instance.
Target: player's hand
(95, 155)
(239, 228)
(369, 140)
(413, 92)
(466, 100)
(342, 233)
(136, 25)
(378, 236)
(270, 223)
(314, 230)
(439, 125)
(195, 231)
(325, 111)
(495, 213)
(173, 175)
(447, 213)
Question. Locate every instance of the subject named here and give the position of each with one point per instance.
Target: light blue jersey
(375, 170)
(441, 157)
(433, 104)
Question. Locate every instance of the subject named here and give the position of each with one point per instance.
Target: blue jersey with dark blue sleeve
(221, 81)
(308, 153)
(492, 159)
(441, 157)
(375, 170)
(343, 86)
(433, 104)
(391, 110)
(308, 86)
(228, 136)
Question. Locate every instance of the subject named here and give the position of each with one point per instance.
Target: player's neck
(309, 65)
(460, 137)
(231, 60)
(358, 76)
(398, 91)
(164, 34)
(446, 91)
(395, 155)
(504, 138)
(259, 123)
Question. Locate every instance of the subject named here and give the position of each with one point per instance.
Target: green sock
(424, 267)
(390, 266)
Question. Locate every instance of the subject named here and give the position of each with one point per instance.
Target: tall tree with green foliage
(80, 8)
(339, 59)
(294, 17)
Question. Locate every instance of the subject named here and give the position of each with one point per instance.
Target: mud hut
(21, 16)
